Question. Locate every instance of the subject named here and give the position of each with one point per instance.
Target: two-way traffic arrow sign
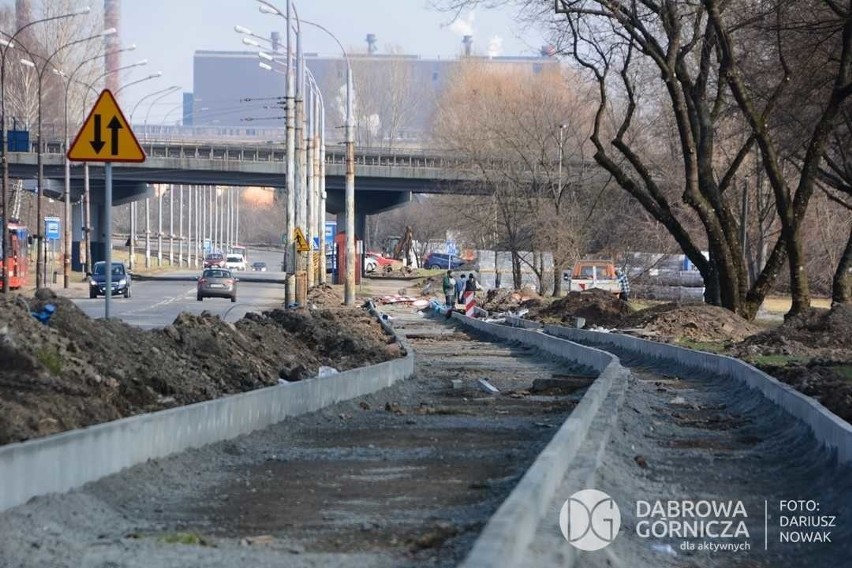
(89, 145)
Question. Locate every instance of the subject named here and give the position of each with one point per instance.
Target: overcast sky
(168, 32)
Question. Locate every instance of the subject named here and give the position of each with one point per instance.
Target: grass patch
(844, 372)
(185, 538)
(781, 304)
(776, 360)
(50, 360)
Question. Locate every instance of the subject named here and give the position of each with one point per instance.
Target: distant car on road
(235, 262)
(217, 283)
(215, 260)
(440, 260)
(121, 279)
(259, 266)
(378, 262)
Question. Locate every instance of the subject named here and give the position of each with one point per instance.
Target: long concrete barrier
(509, 532)
(67, 460)
(829, 429)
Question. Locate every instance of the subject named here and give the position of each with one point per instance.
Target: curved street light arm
(148, 78)
(163, 94)
(167, 90)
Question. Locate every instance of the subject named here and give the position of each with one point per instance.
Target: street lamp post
(349, 281)
(40, 253)
(312, 167)
(290, 179)
(10, 44)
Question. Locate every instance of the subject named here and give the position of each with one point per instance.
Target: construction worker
(449, 286)
(624, 283)
(472, 285)
(460, 283)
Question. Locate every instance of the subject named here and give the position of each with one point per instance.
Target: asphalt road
(157, 302)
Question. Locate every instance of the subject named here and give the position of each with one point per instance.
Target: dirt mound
(324, 296)
(826, 381)
(76, 371)
(504, 300)
(597, 307)
(814, 328)
(696, 322)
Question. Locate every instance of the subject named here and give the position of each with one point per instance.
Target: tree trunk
(712, 291)
(516, 269)
(799, 289)
(557, 280)
(841, 285)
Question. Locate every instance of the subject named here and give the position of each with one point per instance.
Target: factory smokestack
(468, 44)
(23, 13)
(112, 43)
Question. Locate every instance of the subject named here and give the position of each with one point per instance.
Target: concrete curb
(511, 529)
(829, 429)
(67, 460)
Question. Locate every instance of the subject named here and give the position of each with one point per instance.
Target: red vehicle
(375, 261)
(17, 261)
(215, 260)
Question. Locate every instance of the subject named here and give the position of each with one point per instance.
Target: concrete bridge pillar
(122, 193)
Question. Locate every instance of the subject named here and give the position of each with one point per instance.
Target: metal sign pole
(108, 224)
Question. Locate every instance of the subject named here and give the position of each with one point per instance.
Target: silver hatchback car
(217, 283)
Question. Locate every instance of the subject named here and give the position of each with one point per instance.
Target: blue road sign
(51, 228)
(330, 231)
(452, 249)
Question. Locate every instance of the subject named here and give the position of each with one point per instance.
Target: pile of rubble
(75, 371)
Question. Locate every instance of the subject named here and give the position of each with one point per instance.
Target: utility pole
(171, 226)
(180, 227)
(290, 181)
(160, 229)
(132, 250)
(147, 232)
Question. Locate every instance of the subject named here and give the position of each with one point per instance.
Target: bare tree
(522, 132)
(718, 73)
(827, 23)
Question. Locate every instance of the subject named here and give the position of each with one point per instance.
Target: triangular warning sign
(106, 135)
(301, 242)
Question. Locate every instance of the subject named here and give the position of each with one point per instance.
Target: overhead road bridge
(385, 178)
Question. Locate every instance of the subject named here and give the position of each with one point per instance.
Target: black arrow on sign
(115, 126)
(97, 143)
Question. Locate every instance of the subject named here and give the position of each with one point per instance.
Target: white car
(235, 262)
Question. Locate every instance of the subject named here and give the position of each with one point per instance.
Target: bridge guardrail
(335, 155)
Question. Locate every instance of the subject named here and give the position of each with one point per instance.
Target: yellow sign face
(301, 242)
(106, 135)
